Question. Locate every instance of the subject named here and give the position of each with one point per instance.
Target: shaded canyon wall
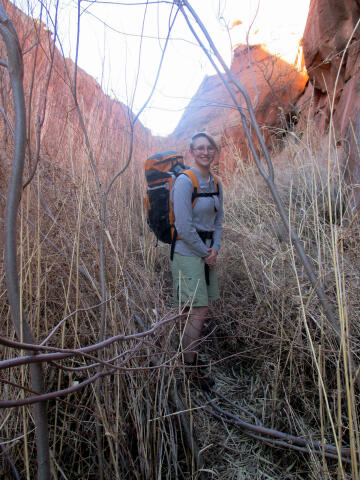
(332, 54)
(61, 136)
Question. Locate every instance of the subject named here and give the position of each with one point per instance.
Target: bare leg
(191, 336)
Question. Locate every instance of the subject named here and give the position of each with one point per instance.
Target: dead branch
(59, 355)
(75, 312)
(31, 46)
(268, 177)
(129, 353)
(286, 440)
(62, 353)
(186, 430)
(249, 55)
(121, 171)
(59, 393)
(37, 28)
(41, 116)
(15, 69)
(143, 106)
(183, 417)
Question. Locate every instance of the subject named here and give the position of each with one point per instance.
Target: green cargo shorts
(189, 282)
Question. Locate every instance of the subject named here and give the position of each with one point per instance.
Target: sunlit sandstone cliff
(273, 86)
(62, 139)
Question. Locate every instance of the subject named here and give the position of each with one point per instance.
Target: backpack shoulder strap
(216, 180)
(194, 180)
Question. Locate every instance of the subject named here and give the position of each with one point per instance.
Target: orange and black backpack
(161, 171)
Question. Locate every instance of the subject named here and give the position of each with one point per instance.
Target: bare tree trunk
(15, 68)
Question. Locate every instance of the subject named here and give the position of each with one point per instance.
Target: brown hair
(204, 135)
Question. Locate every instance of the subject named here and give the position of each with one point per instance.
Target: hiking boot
(198, 374)
(204, 383)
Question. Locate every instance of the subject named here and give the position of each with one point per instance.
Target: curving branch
(127, 353)
(121, 171)
(143, 107)
(232, 79)
(76, 101)
(59, 393)
(62, 353)
(249, 55)
(268, 177)
(15, 69)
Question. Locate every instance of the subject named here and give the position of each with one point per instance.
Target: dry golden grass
(272, 328)
(271, 349)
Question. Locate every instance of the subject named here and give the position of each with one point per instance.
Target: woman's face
(203, 152)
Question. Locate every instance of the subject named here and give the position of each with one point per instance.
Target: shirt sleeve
(182, 204)
(219, 220)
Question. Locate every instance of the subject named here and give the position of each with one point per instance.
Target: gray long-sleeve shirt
(207, 215)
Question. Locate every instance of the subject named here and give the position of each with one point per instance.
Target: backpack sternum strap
(207, 194)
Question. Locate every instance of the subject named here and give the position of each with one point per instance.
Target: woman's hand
(211, 258)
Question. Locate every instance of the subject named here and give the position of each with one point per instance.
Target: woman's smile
(203, 152)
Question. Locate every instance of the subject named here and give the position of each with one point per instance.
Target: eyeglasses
(205, 149)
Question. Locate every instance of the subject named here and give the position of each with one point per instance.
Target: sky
(121, 44)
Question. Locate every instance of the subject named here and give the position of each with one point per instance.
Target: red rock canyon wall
(62, 138)
(273, 86)
(332, 55)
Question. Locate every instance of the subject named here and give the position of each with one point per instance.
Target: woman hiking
(199, 230)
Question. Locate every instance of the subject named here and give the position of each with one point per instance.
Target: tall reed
(270, 347)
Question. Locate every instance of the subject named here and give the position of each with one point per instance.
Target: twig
(8, 123)
(10, 462)
(131, 353)
(35, 44)
(41, 117)
(120, 172)
(74, 313)
(220, 395)
(249, 55)
(187, 432)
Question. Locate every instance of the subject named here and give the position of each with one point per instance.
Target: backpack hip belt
(205, 235)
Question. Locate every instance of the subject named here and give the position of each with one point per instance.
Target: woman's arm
(182, 193)
(219, 221)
